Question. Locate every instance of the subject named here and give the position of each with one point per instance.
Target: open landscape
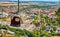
(36, 19)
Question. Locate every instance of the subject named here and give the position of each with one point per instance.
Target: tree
(58, 15)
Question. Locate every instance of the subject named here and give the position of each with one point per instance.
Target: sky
(29, 0)
(36, 0)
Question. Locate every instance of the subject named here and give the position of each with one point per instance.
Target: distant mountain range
(43, 2)
(4, 0)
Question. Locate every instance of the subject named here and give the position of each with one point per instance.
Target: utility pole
(2, 15)
(18, 5)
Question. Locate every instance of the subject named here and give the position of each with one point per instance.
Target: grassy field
(7, 4)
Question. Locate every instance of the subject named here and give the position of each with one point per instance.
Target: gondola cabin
(15, 21)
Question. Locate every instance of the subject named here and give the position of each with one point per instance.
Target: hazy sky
(36, 0)
(30, 0)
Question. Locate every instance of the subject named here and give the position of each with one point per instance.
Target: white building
(3, 14)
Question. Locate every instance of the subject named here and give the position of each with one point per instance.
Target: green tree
(58, 15)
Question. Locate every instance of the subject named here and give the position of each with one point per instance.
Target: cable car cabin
(15, 21)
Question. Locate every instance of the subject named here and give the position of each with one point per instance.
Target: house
(3, 14)
(4, 33)
(58, 30)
